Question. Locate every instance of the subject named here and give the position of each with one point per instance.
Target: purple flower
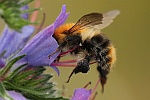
(2, 63)
(37, 49)
(43, 44)
(15, 95)
(84, 94)
(81, 94)
(12, 41)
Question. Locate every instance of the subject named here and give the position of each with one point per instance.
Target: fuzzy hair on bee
(84, 38)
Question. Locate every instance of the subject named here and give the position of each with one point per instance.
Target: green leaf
(8, 66)
(15, 72)
(44, 87)
(3, 93)
(24, 74)
(10, 12)
(33, 84)
(25, 2)
(42, 80)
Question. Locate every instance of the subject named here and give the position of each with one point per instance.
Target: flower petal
(2, 63)
(37, 51)
(61, 18)
(12, 41)
(43, 44)
(81, 94)
(56, 69)
(15, 95)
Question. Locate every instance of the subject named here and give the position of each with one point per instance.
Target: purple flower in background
(15, 95)
(84, 94)
(12, 41)
(81, 94)
(25, 16)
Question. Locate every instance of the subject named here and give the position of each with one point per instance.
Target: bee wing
(94, 22)
(107, 19)
(87, 21)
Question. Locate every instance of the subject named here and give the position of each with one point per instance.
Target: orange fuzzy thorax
(59, 32)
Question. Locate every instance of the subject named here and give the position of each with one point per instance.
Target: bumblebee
(85, 40)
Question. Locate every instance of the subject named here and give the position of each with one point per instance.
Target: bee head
(72, 41)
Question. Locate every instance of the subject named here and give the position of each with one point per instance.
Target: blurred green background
(130, 32)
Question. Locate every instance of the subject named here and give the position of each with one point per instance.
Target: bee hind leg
(103, 74)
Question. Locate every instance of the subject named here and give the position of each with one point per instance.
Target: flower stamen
(63, 64)
(94, 96)
(94, 89)
(87, 84)
(68, 51)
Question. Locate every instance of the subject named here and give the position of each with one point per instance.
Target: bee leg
(103, 74)
(82, 66)
(70, 76)
(103, 66)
